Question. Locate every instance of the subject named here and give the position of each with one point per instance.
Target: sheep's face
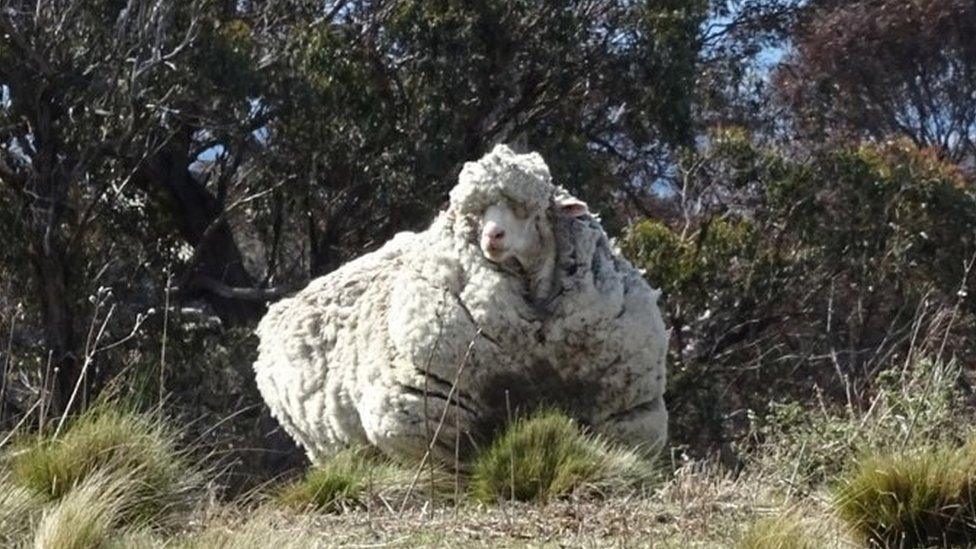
(508, 231)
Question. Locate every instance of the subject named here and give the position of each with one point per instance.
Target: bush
(546, 456)
(784, 531)
(786, 272)
(913, 499)
(916, 405)
(109, 439)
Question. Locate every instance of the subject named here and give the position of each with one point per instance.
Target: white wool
(344, 360)
(502, 174)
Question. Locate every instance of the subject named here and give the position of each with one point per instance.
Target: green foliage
(228, 52)
(782, 273)
(913, 499)
(682, 262)
(546, 456)
(140, 448)
(382, 121)
(784, 531)
(912, 406)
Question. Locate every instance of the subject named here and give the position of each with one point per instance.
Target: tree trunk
(59, 328)
(195, 209)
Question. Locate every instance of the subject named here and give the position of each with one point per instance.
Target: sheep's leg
(404, 422)
(645, 425)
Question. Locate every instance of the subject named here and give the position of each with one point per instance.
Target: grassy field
(900, 472)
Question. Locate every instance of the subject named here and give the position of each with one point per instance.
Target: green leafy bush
(782, 273)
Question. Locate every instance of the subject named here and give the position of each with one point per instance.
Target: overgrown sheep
(512, 299)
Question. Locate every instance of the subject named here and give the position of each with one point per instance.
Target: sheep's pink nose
(495, 233)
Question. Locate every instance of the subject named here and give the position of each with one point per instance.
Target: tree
(879, 69)
(783, 274)
(218, 154)
(85, 98)
(741, 42)
(386, 102)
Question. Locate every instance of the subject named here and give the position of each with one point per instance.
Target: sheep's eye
(520, 212)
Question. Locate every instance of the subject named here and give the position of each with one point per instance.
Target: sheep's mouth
(505, 262)
(495, 254)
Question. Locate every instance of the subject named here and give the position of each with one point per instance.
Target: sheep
(512, 299)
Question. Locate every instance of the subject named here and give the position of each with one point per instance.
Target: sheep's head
(509, 231)
(513, 198)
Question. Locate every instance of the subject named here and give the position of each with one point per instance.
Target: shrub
(781, 271)
(547, 455)
(917, 405)
(785, 531)
(108, 438)
(912, 499)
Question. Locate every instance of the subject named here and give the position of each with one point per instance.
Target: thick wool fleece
(425, 336)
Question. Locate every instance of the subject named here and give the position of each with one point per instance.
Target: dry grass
(85, 517)
(117, 479)
(914, 404)
(258, 529)
(19, 511)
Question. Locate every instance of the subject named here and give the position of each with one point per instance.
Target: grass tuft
(87, 515)
(913, 499)
(547, 455)
(785, 531)
(353, 476)
(19, 510)
(337, 485)
(105, 438)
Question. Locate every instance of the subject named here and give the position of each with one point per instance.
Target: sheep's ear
(570, 206)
